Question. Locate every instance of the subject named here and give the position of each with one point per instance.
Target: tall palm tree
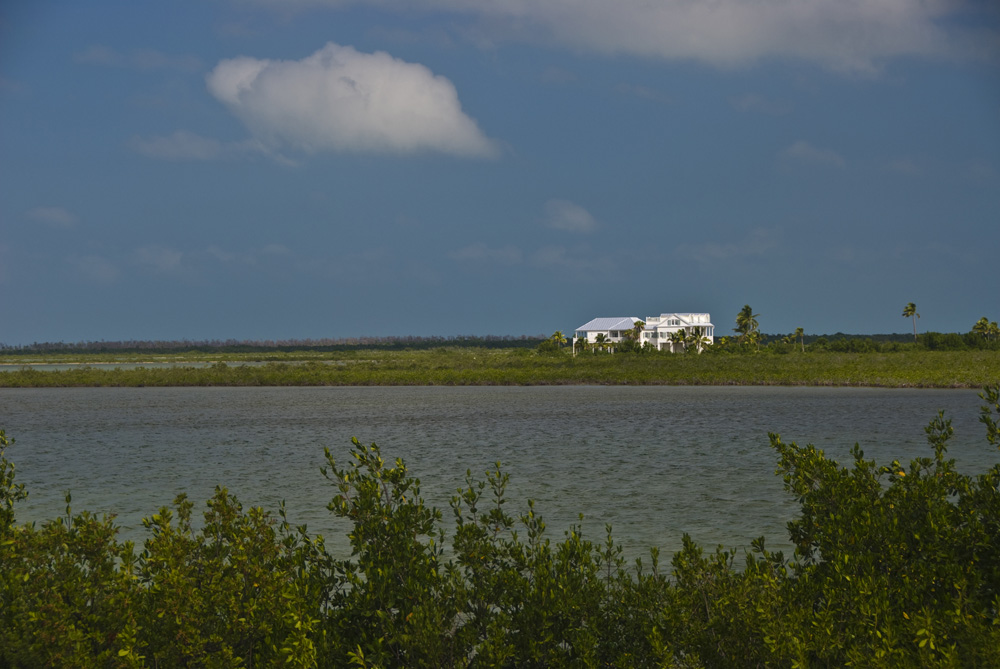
(910, 311)
(600, 341)
(636, 333)
(801, 335)
(558, 337)
(746, 324)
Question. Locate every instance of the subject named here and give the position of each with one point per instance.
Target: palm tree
(982, 327)
(558, 337)
(696, 338)
(910, 311)
(801, 335)
(636, 333)
(677, 338)
(600, 341)
(746, 324)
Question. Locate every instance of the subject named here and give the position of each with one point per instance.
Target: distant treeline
(930, 341)
(836, 343)
(271, 345)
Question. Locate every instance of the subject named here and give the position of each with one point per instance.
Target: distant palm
(558, 337)
(982, 327)
(910, 311)
(746, 325)
(801, 336)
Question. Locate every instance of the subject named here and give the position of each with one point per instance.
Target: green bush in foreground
(893, 566)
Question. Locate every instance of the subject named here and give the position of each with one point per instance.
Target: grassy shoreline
(493, 366)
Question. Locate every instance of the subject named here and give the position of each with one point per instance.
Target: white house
(613, 329)
(659, 331)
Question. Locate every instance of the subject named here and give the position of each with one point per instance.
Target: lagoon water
(654, 462)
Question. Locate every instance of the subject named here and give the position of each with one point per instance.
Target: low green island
(821, 362)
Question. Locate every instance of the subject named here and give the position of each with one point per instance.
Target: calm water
(654, 462)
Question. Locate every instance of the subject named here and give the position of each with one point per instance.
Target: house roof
(614, 323)
(701, 319)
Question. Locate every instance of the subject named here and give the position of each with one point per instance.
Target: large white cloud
(850, 35)
(339, 99)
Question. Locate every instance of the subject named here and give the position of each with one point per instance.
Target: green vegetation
(850, 362)
(910, 311)
(932, 360)
(893, 566)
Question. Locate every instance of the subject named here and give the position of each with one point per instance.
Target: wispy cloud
(845, 35)
(568, 217)
(754, 102)
(160, 259)
(139, 59)
(181, 145)
(904, 166)
(339, 99)
(54, 217)
(804, 152)
(557, 75)
(578, 261)
(644, 92)
(96, 269)
(479, 252)
(758, 243)
(184, 145)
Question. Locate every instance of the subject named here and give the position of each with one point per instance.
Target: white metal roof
(614, 323)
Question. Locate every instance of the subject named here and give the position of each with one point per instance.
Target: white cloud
(339, 99)
(54, 217)
(846, 35)
(805, 152)
(568, 216)
(479, 252)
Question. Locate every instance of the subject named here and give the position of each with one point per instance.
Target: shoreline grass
(519, 367)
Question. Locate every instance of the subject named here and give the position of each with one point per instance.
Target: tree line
(270, 345)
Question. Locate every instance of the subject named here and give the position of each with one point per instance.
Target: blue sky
(265, 169)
